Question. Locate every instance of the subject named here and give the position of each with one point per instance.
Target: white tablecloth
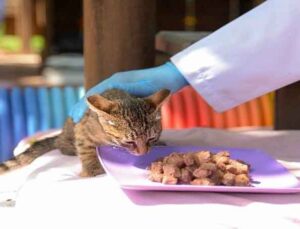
(49, 193)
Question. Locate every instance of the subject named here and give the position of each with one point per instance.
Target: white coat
(252, 55)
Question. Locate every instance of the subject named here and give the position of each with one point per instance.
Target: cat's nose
(141, 148)
(139, 151)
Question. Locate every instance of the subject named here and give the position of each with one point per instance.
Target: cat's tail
(36, 150)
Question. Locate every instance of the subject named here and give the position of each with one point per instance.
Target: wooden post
(257, 2)
(287, 107)
(48, 29)
(118, 36)
(234, 9)
(25, 23)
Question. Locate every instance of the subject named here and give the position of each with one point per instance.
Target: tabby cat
(114, 118)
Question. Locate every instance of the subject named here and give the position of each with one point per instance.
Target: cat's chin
(136, 153)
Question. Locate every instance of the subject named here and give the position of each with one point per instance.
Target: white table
(49, 193)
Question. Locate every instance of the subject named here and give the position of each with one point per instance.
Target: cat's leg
(89, 160)
(66, 147)
(65, 141)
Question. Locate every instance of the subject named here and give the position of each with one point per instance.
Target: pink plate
(130, 171)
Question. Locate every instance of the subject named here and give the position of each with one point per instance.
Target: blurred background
(41, 41)
(44, 62)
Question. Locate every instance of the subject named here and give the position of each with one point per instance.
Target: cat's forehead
(134, 107)
(133, 114)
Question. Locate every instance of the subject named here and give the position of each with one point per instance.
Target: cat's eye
(158, 117)
(132, 143)
(152, 139)
(111, 123)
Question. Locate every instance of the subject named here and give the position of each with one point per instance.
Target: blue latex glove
(140, 83)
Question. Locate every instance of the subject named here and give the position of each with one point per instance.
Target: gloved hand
(140, 83)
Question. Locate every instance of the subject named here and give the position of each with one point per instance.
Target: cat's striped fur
(114, 118)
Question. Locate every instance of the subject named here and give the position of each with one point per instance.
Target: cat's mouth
(136, 148)
(138, 151)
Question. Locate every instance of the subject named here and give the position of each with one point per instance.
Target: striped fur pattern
(114, 118)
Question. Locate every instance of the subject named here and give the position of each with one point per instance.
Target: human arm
(137, 82)
(253, 55)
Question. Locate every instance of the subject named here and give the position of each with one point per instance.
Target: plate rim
(205, 188)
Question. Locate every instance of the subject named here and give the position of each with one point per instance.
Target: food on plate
(200, 168)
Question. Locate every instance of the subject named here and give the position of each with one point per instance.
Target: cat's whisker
(114, 144)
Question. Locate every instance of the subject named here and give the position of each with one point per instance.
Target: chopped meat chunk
(200, 168)
(202, 181)
(156, 177)
(174, 159)
(202, 156)
(201, 173)
(241, 180)
(171, 170)
(186, 176)
(188, 159)
(169, 180)
(228, 179)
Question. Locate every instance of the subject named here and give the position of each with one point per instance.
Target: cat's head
(133, 123)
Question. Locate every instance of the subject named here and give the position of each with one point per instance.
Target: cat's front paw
(91, 172)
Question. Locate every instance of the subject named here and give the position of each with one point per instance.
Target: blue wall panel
(57, 107)
(32, 110)
(6, 130)
(43, 99)
(18, 114)
(24, 111)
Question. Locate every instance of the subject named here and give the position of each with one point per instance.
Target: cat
(113, 118)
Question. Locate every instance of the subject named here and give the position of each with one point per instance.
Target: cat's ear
(158, 98)
(99, 104)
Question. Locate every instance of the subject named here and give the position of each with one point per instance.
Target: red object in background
(187, 109)
(166, 113)
(190, 105)
(178, 111)
(230, 117)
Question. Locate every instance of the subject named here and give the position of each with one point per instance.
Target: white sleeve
(252, 55)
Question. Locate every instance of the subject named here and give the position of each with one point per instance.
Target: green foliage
(13, 43)
(37, 43)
